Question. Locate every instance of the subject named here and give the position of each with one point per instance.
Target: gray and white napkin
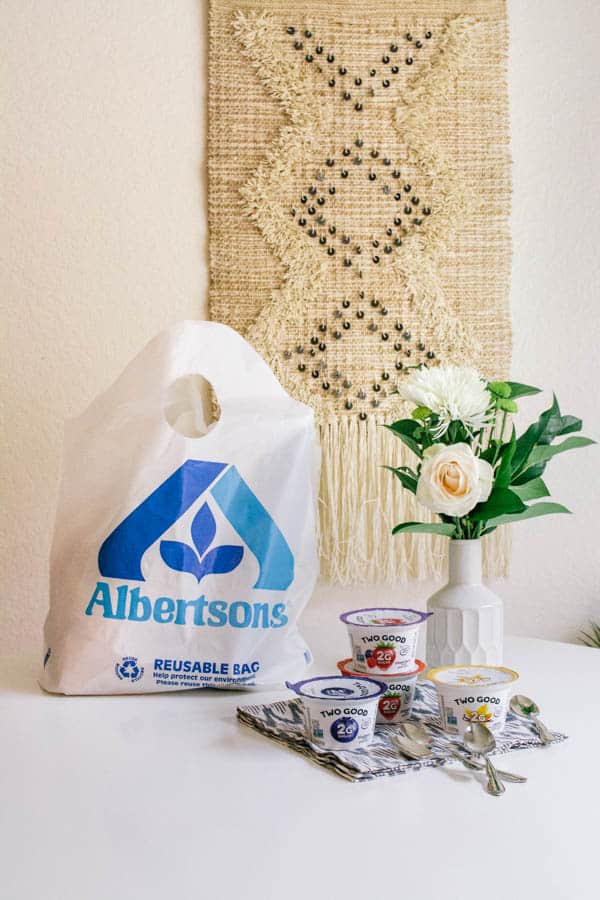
(284, 722)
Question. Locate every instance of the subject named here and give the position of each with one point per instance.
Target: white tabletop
(161, 796)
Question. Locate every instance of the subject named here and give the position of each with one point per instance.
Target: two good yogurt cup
(395, 704)
(339, 711)
(470, 694)
(383, 639)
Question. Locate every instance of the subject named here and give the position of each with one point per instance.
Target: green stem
(490, 435)
(503, 425)
(500, 439)
(481, 525)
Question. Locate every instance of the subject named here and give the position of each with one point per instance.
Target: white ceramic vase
(468, 619)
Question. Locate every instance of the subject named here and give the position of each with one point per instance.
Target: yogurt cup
(472, 694)
(383, 639)
(339, 712)
(396, 704)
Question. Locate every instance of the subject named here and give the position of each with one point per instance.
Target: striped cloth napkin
(284, 722)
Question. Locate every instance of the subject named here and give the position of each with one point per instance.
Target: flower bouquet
(474, 472)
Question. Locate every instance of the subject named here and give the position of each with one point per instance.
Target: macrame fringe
(361, 501)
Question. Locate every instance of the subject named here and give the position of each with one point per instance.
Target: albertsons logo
(216, 489)
(121, 553)
(128, 669)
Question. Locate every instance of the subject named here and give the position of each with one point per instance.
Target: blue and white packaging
(184, 561)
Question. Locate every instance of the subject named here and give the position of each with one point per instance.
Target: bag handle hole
(191, 406)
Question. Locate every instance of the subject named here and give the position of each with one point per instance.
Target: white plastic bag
(183, 562)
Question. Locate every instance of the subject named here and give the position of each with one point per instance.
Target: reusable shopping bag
(184, 561)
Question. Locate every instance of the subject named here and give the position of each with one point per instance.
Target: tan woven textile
(359, 196)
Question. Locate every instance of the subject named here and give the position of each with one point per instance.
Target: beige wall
(104, 244)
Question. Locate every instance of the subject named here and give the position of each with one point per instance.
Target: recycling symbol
(129, 669)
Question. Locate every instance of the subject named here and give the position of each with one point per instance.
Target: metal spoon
(480, 740)
(410, 748)
(475, 764)
(526, 708)
(418, 734)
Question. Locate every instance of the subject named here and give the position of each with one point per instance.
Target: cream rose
(453, 480)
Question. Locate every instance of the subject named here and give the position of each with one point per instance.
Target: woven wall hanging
(358, 215)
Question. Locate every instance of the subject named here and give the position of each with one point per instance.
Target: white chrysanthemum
(455, 393)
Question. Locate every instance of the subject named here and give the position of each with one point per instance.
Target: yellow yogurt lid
(456, 676)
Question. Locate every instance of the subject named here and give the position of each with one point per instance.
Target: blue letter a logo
(121, 553)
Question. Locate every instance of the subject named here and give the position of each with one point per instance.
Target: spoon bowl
(415, 741)
(480, 741)
(410, 748)
(416, 733)
(526, 708)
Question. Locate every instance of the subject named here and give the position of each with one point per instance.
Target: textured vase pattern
(471, 637)
(467, 624)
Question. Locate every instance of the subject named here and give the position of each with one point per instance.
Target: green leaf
(557, 424)
(456, 433)
(530, 512)
(425, 528)
(562, 425)
(406, 430)
(591, 639)
(553, 425)
(504, 471)
(527, 441)
(499, 388)
(528, 475)
(522, 390)
(525, 444)
(421, 412)
(544, 452)
(570, 424)
(531, 490)
(490, 452)
(407, 478)
(403, 426)
(500, 502)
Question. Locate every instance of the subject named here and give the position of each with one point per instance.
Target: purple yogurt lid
(338, 687)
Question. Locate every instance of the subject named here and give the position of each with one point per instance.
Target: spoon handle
(544, 735)
(471, 764)
(494, 785)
